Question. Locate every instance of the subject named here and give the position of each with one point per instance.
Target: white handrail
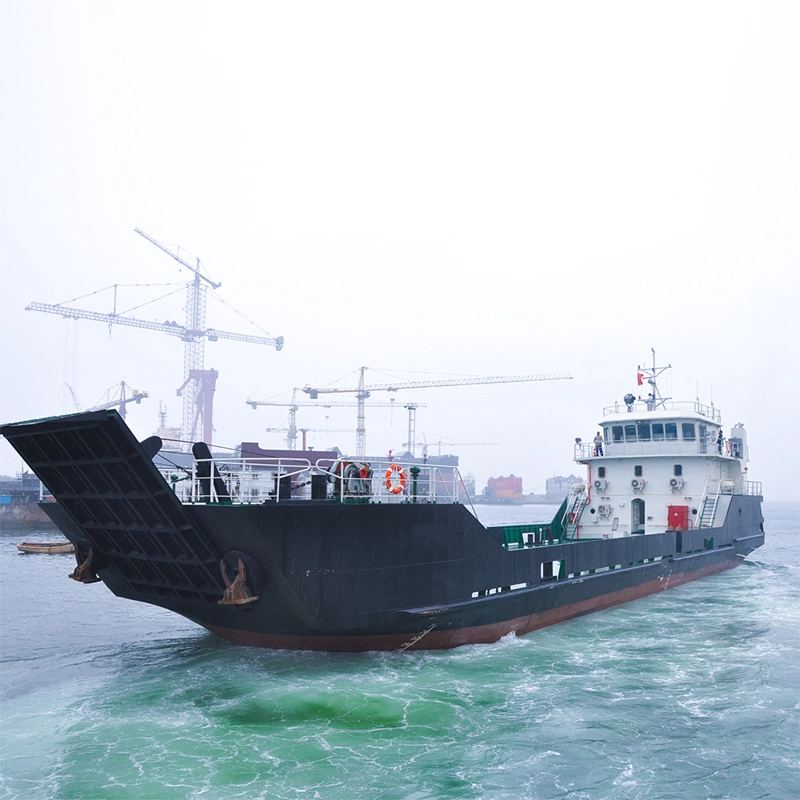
(256, 480)
(709, 412)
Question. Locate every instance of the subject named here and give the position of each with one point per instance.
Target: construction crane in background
(440, 442)
(199, 384)
(120, 401)
(304, 431)
(294, 405)
(362, 392)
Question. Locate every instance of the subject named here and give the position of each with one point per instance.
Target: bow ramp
(112, 500)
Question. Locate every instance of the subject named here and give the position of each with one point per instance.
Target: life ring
(729, 447)
(395, 488)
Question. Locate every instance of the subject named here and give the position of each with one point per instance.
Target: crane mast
(362, 391)
(198, 384)
(193, 360)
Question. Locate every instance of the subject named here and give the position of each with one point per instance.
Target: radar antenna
(650, 375)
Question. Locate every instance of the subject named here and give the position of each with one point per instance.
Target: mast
(650, 376)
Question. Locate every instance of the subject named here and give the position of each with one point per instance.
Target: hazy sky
(430, 189)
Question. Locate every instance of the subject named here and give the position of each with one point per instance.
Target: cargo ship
(340, 555)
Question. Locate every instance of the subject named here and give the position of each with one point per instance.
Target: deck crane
(198, 383)
(294, 405)
(362, 392)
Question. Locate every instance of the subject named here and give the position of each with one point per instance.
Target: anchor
(85, 572)
(236, 592)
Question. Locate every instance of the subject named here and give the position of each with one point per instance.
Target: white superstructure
(656, 465)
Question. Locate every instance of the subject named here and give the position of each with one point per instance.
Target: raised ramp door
(103, 479)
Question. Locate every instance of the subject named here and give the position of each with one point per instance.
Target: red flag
(639, 378)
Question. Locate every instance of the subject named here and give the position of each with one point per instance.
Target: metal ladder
(572, 515)
(708, 510)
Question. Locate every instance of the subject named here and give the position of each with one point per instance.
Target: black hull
(343, 577)
(562, 605)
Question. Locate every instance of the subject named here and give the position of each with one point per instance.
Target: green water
(694, 693)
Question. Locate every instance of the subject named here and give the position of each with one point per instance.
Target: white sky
(448, 188)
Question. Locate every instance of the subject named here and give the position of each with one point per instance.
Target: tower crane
(304, 431)
(121, 401)
(362, 391)
(440, 442)
(295, 404)
(198, 383)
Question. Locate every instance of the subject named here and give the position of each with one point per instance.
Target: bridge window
(630, 433)
(658, 431)
(644, 431)
(687, 429)
(671, 430)
(616, 433)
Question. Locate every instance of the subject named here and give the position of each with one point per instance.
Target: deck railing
(259, 480)
(655, 447)
(751, 488)
(709, 412)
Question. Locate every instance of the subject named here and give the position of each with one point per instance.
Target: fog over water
(430, 190)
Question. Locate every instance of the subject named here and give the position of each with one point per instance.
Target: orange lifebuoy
(395, 488)
(729, 447)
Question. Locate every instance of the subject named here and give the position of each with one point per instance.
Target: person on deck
(598, 444)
